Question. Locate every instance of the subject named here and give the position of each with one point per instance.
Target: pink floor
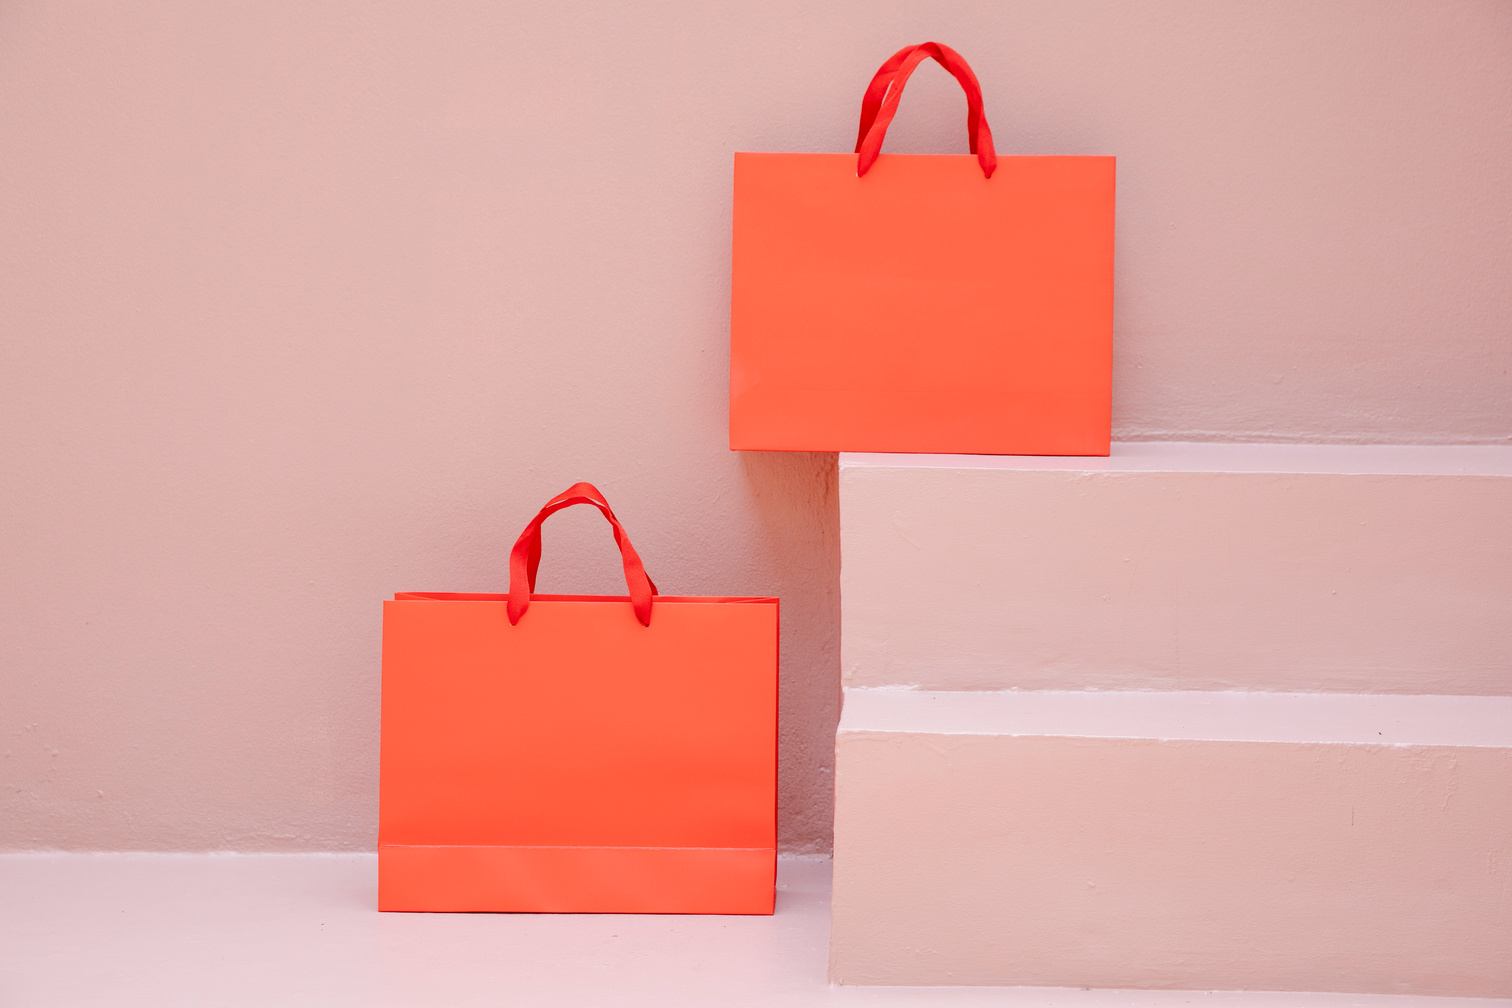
(292, 930)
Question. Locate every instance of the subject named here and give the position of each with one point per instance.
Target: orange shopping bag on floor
(578, 753)
(922, 303)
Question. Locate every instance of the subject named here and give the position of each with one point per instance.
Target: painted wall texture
(301, 305)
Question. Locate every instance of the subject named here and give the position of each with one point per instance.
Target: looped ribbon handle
(880, 104)
(525, 558)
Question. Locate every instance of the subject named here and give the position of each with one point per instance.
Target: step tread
(1229, 716)
(1220, 457)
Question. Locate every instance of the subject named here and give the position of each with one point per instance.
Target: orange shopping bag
(578, 753)
(922, 303)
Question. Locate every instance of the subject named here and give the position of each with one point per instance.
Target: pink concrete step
(1269, 841)
(1347, 568)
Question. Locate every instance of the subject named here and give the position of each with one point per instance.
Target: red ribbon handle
(880, 104)
(525, 558)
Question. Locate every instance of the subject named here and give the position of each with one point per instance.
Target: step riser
(1084, 862)
(993, 578)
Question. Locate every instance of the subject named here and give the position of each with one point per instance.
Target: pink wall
(305, 304)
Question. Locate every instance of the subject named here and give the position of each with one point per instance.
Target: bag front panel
(579, 726)
(923, 307)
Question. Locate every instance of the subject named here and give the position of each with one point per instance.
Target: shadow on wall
(797, 503)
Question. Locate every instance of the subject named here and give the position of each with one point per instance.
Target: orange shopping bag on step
(922, 303)
(578, 753)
